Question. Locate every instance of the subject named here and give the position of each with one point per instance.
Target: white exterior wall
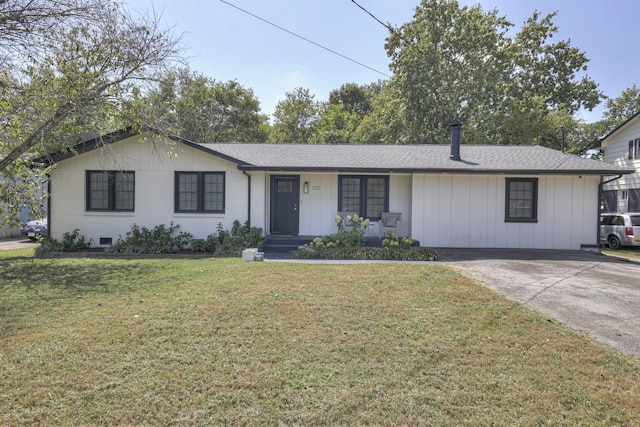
(154, 191)
(438, 210)
(467, 211)
(319, 207)
(617, 152)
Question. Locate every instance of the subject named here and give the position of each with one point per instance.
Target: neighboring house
(491, 197)
(622, 148)
(7, 230)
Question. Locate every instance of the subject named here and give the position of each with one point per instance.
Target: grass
(631, 252)
(224, 342)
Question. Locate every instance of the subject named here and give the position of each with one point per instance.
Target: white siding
(439, 210)
(617, 152)
(468, 211)
(319, 207)
(154, 191)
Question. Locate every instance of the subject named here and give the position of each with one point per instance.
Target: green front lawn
(224, 342)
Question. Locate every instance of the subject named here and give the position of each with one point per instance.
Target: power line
(305, 39)
(387, 26)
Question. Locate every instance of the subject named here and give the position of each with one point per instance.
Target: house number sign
(315, 188)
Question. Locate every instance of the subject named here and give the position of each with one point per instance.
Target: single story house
(622, 148)
(447, 196)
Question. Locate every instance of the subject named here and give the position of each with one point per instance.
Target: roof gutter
(600, 187)
(248, 197)
(459, 171)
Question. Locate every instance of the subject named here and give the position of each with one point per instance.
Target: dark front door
(285, 196)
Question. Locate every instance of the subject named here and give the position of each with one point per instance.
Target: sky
(225, 43)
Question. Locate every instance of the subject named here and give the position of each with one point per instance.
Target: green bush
(349, 245)
(394, 242)
(352, 238)
(397, 253)
(71, 242)
(227, 243)
(158, 240)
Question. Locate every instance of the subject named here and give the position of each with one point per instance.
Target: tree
(335, 126)
(342, 115)
(201, 109)
(617, 110)
(295, 117)
(355, 98)
(454, 64)
(623, 107)
(67, 65)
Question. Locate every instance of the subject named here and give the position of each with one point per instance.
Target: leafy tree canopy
(201, 109)
(461, 64)
(623, 107)
(295, 117)
(67, 65)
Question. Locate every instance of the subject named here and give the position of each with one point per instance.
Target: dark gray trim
(248, 198)
(458, 171)
(111, 191)
(363, 198)
(200, 192)
(120, 135)
(49, 222)
(507, 199)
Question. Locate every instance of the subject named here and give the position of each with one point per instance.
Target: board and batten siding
(154, 191)
(318, 208)
(468, 211)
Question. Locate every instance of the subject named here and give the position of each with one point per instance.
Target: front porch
(281, 245)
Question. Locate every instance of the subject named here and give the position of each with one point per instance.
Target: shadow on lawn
(31, 287)
(78, 277)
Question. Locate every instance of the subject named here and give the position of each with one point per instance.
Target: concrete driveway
(596, 294)
(15, 243)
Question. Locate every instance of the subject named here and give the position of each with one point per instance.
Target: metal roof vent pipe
(455, 140)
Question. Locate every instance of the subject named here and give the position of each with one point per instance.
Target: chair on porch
(389, 221)
(345, 219)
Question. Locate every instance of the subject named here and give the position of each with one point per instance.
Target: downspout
(48, 205)
(600, 187)
(248, 197)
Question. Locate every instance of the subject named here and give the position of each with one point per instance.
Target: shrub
(349, 245)
(394, 242)
(368, 253)
(230, 243)
(353, 238)
(71, 242)
(158, 240)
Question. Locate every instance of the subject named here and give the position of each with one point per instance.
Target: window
(199, 192)
(368, 196)
(634, 149)
(110, 190)
(521, 200)
(634, 200)
(610, 201)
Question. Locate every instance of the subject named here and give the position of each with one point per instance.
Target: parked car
(620, 229)
(37, 227)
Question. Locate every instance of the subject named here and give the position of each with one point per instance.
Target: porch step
(285, 243)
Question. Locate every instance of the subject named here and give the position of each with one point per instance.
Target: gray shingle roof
(517, 159)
